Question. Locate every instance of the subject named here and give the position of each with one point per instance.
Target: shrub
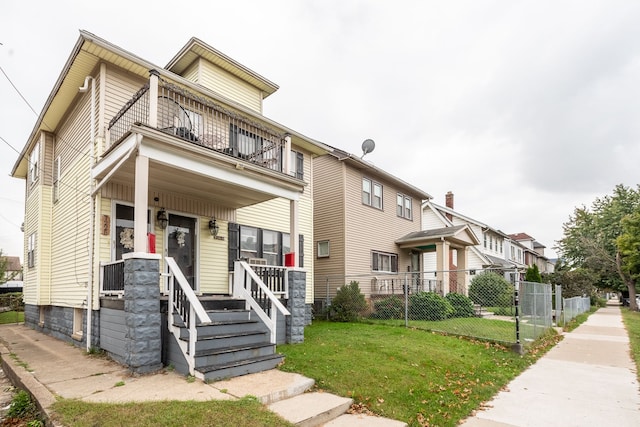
(429, 306)
(462, 305)
(491, 290)
(388, 308)
(348, 303)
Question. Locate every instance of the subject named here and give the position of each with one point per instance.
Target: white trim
(141, 255)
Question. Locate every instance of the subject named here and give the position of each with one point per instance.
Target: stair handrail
(241, 270)
(195, 310)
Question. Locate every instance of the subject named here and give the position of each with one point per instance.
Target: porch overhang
(192, 170)
(459, 236)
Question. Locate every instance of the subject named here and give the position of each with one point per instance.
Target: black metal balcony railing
(200, 121)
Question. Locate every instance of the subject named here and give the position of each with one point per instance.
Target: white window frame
(366, 192)
(31, 250)
(373, 196)
(377, 265)
(404, 206)
(56, 178)
(34, 163)
(323, 249)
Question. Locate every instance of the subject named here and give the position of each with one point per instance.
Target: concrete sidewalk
(588, 379)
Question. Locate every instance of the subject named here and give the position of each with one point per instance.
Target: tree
(628, 257)
(590, 239)
(490, 289)
(348, 303)
(533, 274)
(3, 267)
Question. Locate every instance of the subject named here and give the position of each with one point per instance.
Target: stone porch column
(296, 305)
(143, 340)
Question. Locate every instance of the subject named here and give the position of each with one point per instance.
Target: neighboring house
(144, 189)
(368, 228)
(533, 252)
(13, 269)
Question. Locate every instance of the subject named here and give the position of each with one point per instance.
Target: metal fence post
(517, 347)
(406, 304)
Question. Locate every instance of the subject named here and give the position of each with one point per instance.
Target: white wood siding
(213, 254)
(120, 86)
(430, 220)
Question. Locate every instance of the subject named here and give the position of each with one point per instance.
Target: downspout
(83, 89)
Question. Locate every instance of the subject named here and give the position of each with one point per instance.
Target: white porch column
(286, 164)
(294, 230)
(141, 204)
(442, 264)
(153, 98)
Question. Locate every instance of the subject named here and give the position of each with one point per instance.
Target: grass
(578, 320)
(410, 375)
(631, 321)
(11, 317)
(243, 412)
(491, 329)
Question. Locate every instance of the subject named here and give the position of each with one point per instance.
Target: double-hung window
(296, 164)
(384, 262)
(31, 250)
(34, 163)
(371, 193)
(404, 206)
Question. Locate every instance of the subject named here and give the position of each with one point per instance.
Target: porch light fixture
(162, 218)
(213, 227)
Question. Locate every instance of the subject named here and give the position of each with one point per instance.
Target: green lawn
(11, 317)
(632, 323)
(412, 375)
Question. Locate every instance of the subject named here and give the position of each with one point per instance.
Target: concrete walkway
(49, 368)
(588, 379)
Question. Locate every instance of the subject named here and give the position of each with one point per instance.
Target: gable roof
(459, 234)
(521, 236)
(196, 48)
(13, 263)
(358, 163)
(89, 51)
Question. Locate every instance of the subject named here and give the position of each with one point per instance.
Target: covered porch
(450, 246)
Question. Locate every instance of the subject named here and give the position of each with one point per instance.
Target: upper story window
(245, 144)
(56, 178)
(296, 164)
(34, 163)
(403, 206)
(485, 240)
(371, 193)
(323, 249)
(384, 262)
(491, 242)
(31, 250)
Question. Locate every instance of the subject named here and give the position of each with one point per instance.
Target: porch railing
(200, 121)
(248, 285)
(184, 302)
(112, 278)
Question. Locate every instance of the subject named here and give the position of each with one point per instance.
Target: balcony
(200, 121)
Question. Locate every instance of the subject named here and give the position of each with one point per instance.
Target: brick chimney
(449, 200)
(449, 203)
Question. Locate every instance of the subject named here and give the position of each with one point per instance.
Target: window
(366, 191)
(485, 240)
(491, 242)
(371, 193)
(31, 250)
(323, 249)
(34, 163)
(296, 164)
(78, 318)
(245, 144)
(56, 178)
(403, 206)
(124, 229)
(384, 262)
(270, 247)
(252, 242)
(248, 242)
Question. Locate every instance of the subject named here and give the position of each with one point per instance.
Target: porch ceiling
(193, 171)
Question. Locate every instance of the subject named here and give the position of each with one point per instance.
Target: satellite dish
(367, 147)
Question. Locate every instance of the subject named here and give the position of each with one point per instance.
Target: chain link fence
(575, 306)
(478, 304)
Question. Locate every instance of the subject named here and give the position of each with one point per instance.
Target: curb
(22, 379)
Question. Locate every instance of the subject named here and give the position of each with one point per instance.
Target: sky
(524, 110)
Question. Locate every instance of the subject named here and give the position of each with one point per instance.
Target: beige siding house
(368, 228)
(172, 171)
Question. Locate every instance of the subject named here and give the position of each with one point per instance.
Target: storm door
(181, 245)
